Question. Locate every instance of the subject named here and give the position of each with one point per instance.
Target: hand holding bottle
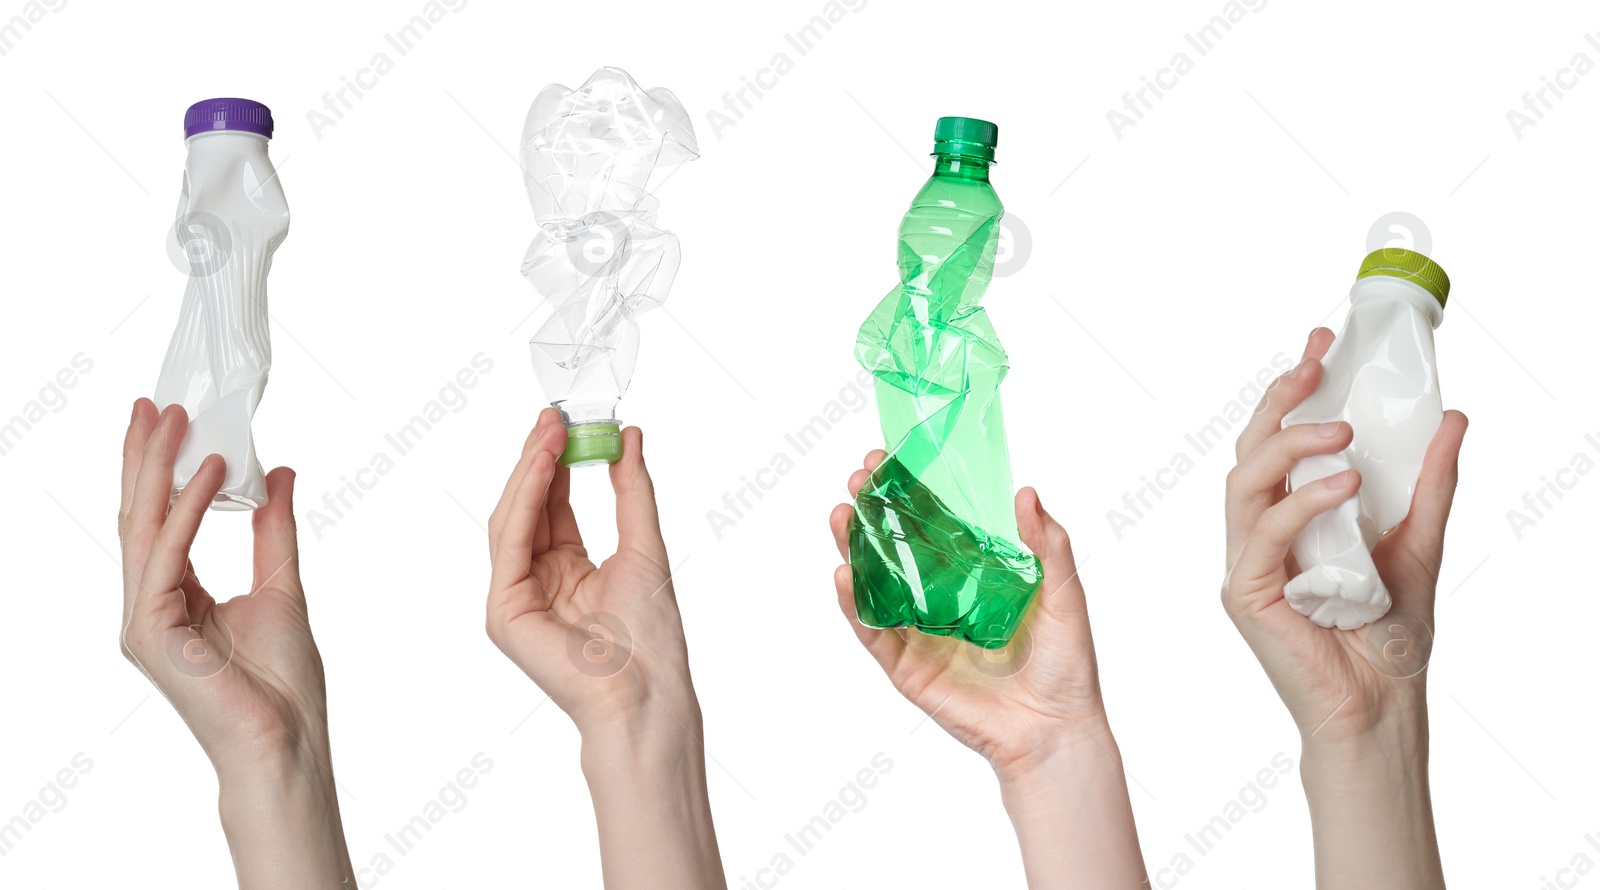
(1032, 709)
(606, 644)
(244, 674)
(1357, 696)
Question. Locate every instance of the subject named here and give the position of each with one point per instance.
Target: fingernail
(1339, 481)
(1328, 430)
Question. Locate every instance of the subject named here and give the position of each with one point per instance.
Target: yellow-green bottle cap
(1397, 262)
(590, 444)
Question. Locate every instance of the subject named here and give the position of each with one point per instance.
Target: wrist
(280, 782)
(1073, 747)
(1083, 755)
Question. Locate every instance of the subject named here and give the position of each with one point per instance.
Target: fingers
(859, 478)
(885, 646)
(512, 541)
(638, 525)
(140, 425)
(153, 484)
(548, 436)
(1258, 480)
(1060, 590)
(1423, 528)
(562, 521)
(1253, 578)
(839, 522)
(159, 603)
(1286, 392)
(275, 563)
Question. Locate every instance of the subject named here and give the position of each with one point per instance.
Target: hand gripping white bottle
(1381, 377)
(231, 217)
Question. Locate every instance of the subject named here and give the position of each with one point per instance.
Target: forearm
(1073, 818)
(282, 822)
(1371, 814)
(652, 807)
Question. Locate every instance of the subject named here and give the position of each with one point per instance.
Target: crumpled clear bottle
(599, 258)
(934, 542)
(1380, 375)
(231, 216)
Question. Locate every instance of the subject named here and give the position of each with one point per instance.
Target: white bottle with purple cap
(231, 217)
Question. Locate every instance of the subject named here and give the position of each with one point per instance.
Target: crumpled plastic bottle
(1380, 375)
(934, 542)
(599, 259)
(232, 215)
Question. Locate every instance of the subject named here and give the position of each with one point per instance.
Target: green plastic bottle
(934, 542)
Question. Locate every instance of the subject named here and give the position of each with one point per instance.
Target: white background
(1163, 275)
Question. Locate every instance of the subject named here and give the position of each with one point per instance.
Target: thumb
(638, 524)
(1060, 590)
(277, 548)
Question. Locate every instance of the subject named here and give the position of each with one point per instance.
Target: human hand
(1358, 696)
(1338, 684)
(606, 644)
(1015, 705)
(1032, 708)
(244, 674)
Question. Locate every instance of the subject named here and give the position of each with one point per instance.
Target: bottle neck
(955, 166)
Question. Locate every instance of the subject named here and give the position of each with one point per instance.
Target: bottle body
(1382, 378)
(231, 217)
(934, 542)
(599, 259)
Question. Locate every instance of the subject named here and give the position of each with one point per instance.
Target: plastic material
(934, 542)
(231, 217)
(589, 444)
(599, 261)
(1380, 375)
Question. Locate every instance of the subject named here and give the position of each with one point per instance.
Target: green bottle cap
(591, 444)
(965, 136)
(1397, 262)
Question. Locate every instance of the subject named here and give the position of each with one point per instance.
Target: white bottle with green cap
(1381, 377)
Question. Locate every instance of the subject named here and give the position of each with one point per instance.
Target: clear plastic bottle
(1381, 377)
(231, 216)
(599, 260)
(934, 542)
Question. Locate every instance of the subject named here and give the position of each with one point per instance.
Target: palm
(598, 640)
(1042, 688)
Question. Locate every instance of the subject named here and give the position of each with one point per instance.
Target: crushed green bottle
(934, 541)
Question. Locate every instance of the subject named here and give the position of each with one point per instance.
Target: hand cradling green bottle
(934, 541)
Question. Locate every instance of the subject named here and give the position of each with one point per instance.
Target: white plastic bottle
(1381, 377)
(231, 217)
(599, 259)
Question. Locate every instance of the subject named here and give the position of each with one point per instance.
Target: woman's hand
(245, 674)
(606, 644)
(1032, 708)
(1357, 696)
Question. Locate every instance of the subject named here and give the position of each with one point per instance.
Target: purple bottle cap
(227, 114)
